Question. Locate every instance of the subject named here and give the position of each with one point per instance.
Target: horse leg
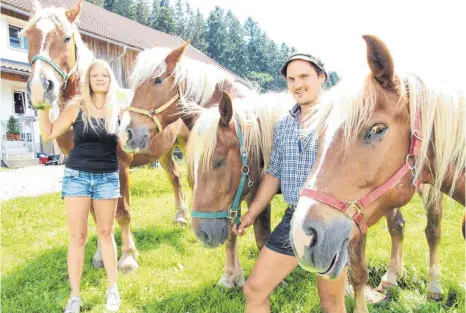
(97, 260)
(174, 176)
(129, 253)
(434, 212)
(358, 274)
(233, 272)
(396, 224)
(262, 227)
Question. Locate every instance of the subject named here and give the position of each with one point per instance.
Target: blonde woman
(91, 174)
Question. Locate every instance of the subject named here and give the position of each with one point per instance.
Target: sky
(421, 35)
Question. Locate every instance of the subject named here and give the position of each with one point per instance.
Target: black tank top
(93, 151)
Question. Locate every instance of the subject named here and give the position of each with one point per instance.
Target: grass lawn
(177, 275)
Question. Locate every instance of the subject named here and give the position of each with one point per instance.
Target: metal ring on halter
(352, 204)
(250, 183)
(243, 151)
(232, 214)
(152, 112)
(245, 169)
(412, 157)
(417, 134)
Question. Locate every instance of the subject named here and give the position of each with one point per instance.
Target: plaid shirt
(292, 157)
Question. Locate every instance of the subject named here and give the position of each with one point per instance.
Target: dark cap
(304, 57)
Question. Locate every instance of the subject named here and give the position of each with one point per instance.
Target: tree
(108, 5)
(154, 14)
(199, 34)
(166, 21)
(181, 20)
(263, 79)
(217, 35)
(142, 12)
(235, 54)
(99, 3)
(126, 8)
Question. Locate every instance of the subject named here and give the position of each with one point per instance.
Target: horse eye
(67, 39)
(158, 80)
(376, 131)
(217, 164)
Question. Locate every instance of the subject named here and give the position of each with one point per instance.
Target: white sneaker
(74, 305)
(113, 300)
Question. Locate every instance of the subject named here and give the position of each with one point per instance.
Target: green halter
(233, 213)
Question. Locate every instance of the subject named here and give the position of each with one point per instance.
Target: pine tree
(154, 14)
(142, 12)
(217, 35)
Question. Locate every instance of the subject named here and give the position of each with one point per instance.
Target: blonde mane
(257, 116)
(348, 107)
(58, 17)
(197, 81)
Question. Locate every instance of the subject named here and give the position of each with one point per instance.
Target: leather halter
(353, 209)
(152, 114)
(64, 75)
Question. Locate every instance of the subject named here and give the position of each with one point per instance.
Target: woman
(91, 174)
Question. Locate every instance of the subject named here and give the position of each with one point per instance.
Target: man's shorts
(279, 239)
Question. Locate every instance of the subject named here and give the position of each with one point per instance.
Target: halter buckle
(243, 151)
(245, 170)
(352, 205)
(414, 161)
(417, 134)
(232, 214)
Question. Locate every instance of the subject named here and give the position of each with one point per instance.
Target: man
(292, 158)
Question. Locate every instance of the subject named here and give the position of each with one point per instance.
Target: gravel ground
(30, 181)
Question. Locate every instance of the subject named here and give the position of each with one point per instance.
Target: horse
(163, 81)
(58, 57)
(389, 133)
(228, 153)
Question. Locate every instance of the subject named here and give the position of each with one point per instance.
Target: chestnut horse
(228, 153)
(388, 133)
(59, 56)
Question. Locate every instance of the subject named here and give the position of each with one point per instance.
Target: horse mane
(58, 17)
(350, 104)
(198, 80)
(257, 116)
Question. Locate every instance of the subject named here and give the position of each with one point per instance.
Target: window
(15, 40)
(19, 100)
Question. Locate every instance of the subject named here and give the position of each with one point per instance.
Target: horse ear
(226, 109)
(36, 7)
(175, 56)
(73, 13)
(380, 61)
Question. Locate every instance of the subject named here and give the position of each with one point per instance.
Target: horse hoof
(230, 282)
(179, 220)
(127, 264)
(387, 283)
(97, 263)
(97, 260)
(434, 292)
(434, 296)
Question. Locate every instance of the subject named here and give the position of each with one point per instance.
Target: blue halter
(233, 213)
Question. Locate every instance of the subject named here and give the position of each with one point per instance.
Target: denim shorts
(279, 239)
(95, 185)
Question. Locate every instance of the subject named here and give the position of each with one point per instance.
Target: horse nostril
(205, 237)
(311, 232)
(130, 134)
(49, 85)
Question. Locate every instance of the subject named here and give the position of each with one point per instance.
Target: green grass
(177, 275)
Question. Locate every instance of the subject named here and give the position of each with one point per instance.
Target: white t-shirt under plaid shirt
(292, 157)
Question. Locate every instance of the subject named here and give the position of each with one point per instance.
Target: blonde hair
(111, 106)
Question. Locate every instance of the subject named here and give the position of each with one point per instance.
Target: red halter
(353, 209)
